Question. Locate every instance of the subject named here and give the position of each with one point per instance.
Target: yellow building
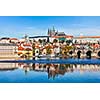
(25, 52)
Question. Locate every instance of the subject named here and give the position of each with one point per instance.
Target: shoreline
(55, 61)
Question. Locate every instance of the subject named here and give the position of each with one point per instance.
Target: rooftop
(86, 37)
(39, 37)
(61, 34)
(4, 38)
(13, 39)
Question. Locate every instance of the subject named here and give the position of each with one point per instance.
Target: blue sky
(18, 26)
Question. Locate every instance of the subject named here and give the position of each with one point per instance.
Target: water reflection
(54, 70)
(35, 72)
(8, 66)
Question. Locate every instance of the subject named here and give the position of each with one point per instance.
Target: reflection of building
(8, 51)
(54, 70)
(8, 66)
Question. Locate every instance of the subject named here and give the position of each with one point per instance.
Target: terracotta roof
(21, 48)
(66, 36)
(61, 34)
(5, 38)
(13, 39)
(20, 53)
(21, 42)
(37, 46)
(87, 37)
(48, 46)
(26, 44)
(28, 49)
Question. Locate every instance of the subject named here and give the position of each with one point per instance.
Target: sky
(18, 26)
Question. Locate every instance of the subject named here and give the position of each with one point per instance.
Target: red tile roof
(13, 39)
(66, 36)
(27, 45)
(28, 49)
(87, 37)
(21, 48)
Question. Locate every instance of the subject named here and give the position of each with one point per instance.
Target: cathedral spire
(48, 32)
(53, 29)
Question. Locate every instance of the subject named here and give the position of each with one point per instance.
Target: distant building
(53, 32)
(85, 39)
(51, 35)
(4, 40)
(8, 51)
(58, 35)
(13, 40)
(25, 50)
(37, 38)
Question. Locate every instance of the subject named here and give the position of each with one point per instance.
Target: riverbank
(60, 61)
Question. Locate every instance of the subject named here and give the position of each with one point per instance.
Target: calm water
(49, 73)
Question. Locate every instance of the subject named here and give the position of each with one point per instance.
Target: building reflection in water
(54, 70)
(8, 66)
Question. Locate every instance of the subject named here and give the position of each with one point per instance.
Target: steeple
(26, 38)
(48, 32)
(53, 29)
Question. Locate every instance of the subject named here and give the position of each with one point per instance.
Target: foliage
(55, 41)
(66, 49)
(48, 49)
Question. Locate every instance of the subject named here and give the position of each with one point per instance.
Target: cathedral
(53, 32)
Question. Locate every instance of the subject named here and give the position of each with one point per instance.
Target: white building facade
(8, 51)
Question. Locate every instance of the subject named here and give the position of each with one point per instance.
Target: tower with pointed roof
(51, 32)
(48, 32)
(53, 29)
